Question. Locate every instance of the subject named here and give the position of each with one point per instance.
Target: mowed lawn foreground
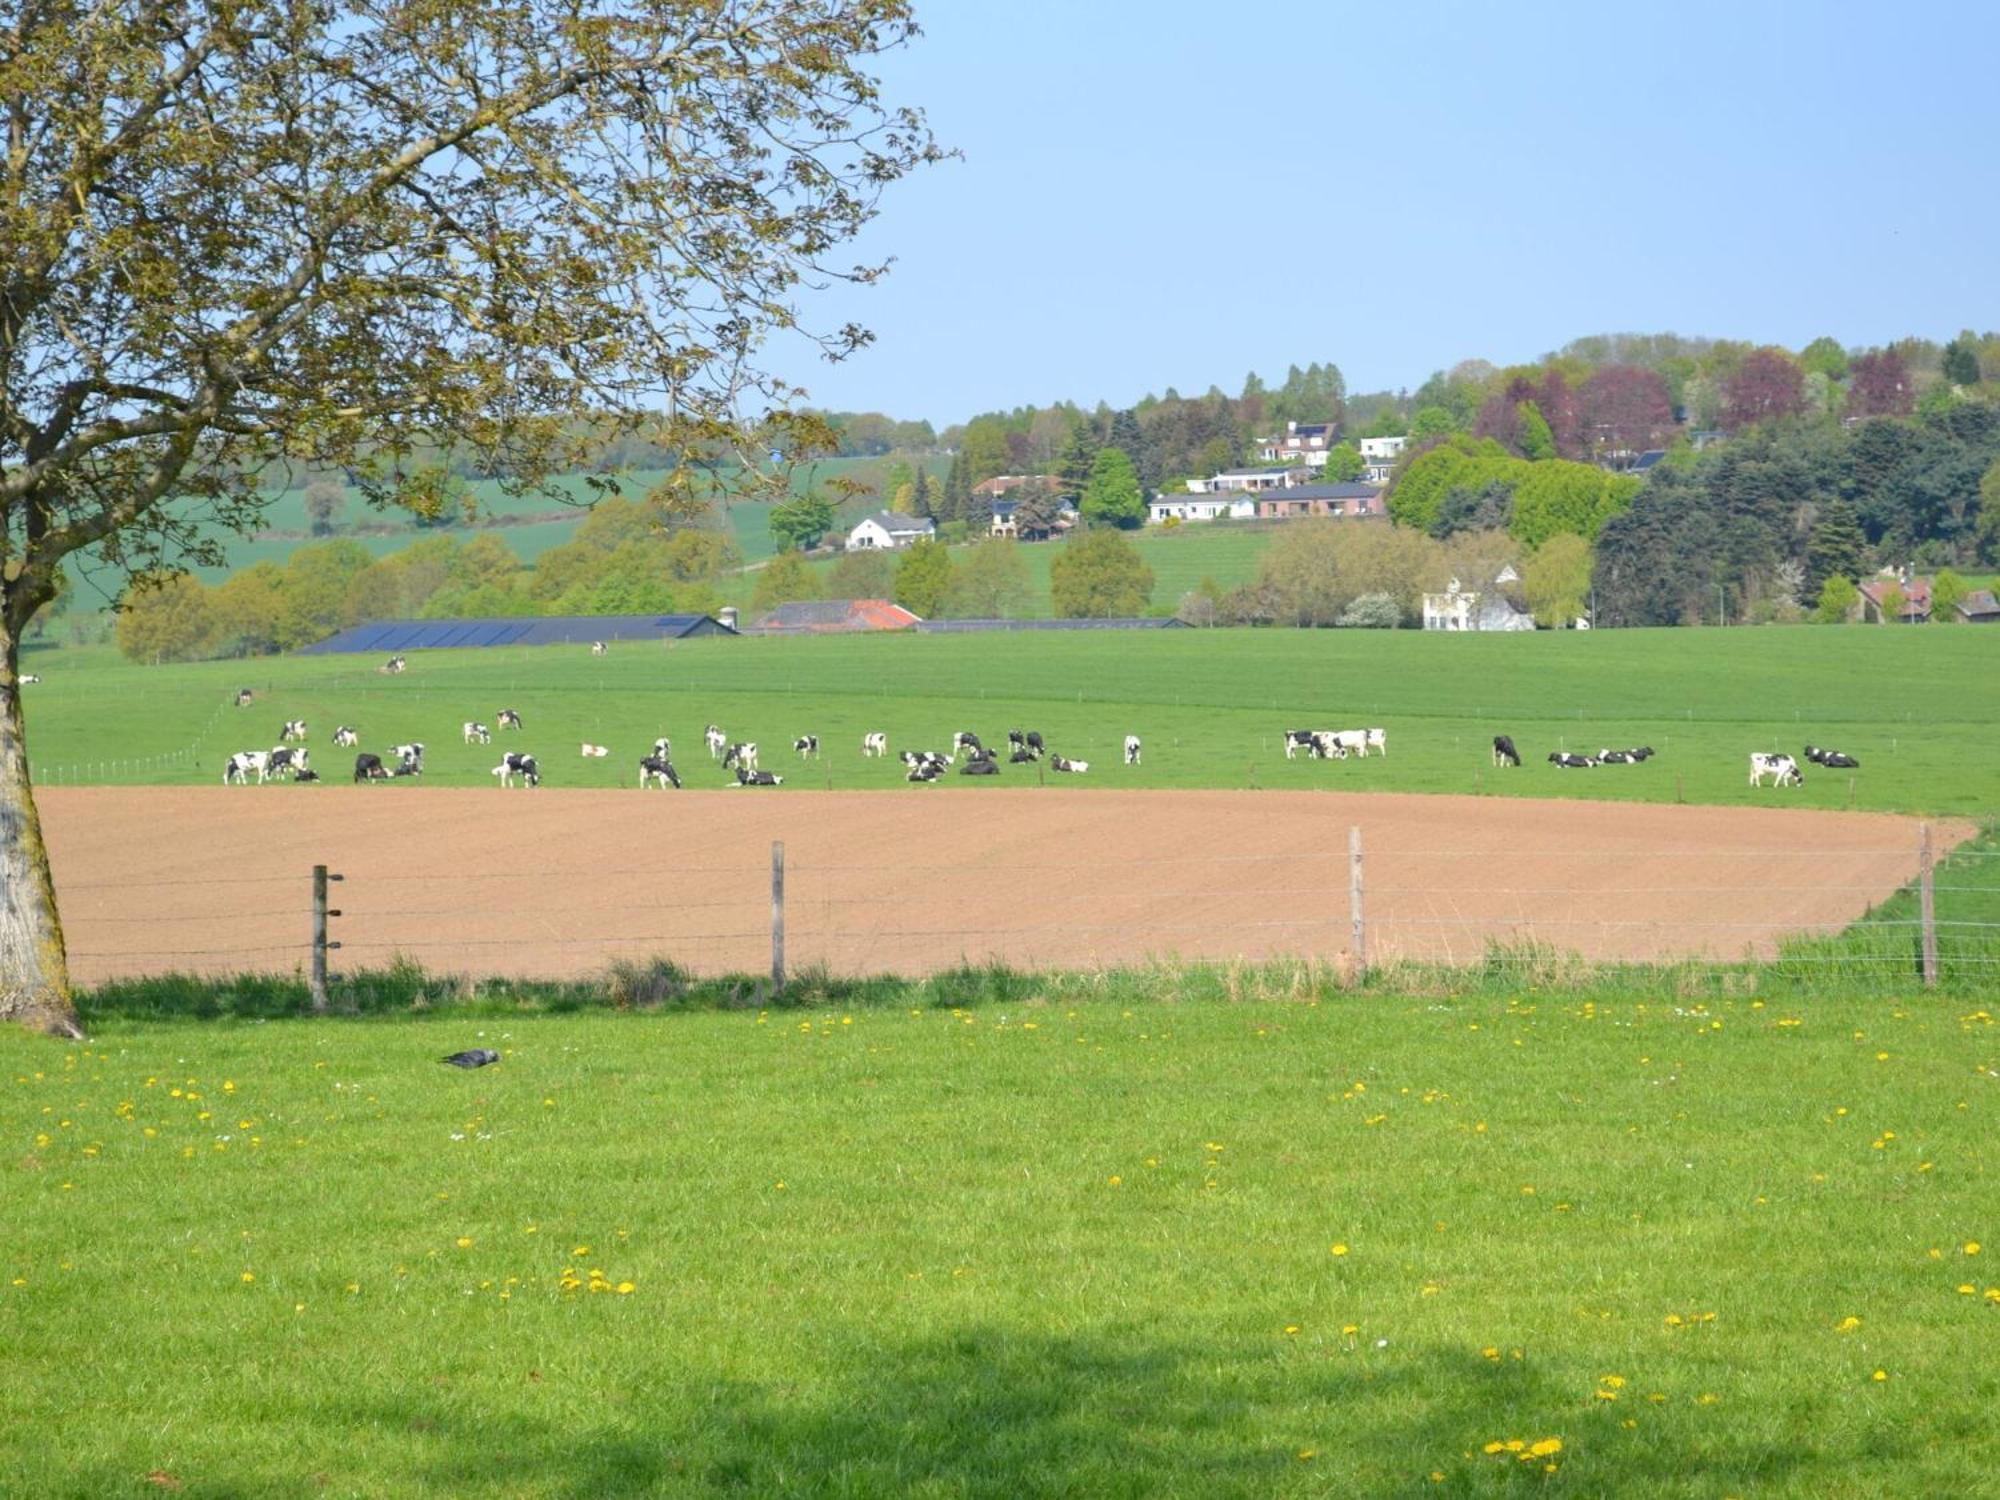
(1076, 1246)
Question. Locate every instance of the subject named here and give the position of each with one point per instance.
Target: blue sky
(1176, 193)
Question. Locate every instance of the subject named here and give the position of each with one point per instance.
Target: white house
(1301, 443)
(1249, 481)
(1200, 508)
(1458, 608)
(887, 531)
(1379, 455)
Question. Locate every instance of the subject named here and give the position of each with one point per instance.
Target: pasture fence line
(1106, 910)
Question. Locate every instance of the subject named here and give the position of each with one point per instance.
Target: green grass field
(1919, 708)
(1085, 1244)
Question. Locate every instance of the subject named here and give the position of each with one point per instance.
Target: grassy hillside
(1920, 708)
(1082, 1244)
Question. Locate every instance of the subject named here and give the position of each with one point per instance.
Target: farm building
(534, 630)
(1980, 608)
(833, 617)
(887, 531)
(1916, 606)
(1459, 608)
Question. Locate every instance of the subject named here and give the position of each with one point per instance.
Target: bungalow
(887, 531)
(1916, 606)
(1348, 498)
(1459, 608)
(1239, 481)
(1199, 508)
(1304, 443)
(1979, 608)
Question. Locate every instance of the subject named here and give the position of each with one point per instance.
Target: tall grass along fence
(1822, 919)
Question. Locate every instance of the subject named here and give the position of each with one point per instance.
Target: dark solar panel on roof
(391, 636)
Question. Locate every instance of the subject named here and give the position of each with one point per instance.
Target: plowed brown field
(558, 883)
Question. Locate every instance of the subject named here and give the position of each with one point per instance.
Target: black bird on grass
(478, 1057)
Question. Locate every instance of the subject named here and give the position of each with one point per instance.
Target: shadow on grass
(984, 1412)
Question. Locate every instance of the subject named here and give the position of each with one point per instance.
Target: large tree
(240, 235)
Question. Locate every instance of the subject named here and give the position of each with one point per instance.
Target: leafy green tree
(1556, 579)
(314, 591)
(1113, 496)
(324, 501)
(1824, 356)
(984, 450)
(241, 233)
(169, 619)
(485, 558)
(785, 578)
(1947, 589)
(1537, 441)
(250, 611)
(990, 583)
(799, 523)
(866, 574)
(1433, 422)
(1099, 576)
(1893, 600)
(1961, 360)
(1837, 599)
(923, 577)
(1344, 464)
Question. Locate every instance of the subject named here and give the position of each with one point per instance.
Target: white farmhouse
(1459, 608)
(887, 531)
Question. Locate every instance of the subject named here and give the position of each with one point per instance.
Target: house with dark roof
(1304, 443)
(1350, 497)
(1979, 608)
(889, 531)
(834, 617)
(1006, 521)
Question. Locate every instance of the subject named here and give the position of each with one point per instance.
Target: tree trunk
(34, 973)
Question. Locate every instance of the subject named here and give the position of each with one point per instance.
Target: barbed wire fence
(863, 920)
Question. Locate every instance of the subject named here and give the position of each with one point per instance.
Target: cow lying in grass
(746, 777)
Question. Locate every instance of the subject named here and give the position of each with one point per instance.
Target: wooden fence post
(1359, 936)
(1927, 911)
(319, 941)
(777, 915)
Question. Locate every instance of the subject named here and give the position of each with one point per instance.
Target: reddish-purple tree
(1562, 407)
(1769, 384)
(1626, 409)
(1879, 386)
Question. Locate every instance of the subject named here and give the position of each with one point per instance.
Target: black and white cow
(1132, 748)
(345, 737)
(242, 763)
(875, 744)
(965, 739)
(412, 757)
(1833, 758)
(507, 719)
(515, 763)
(1023, 757)
(285, 761)
(293, 733)
(716, 741)
(748, 777)
(1615, 758)
(1328, 745)
(394, 665)
(918, 759)
(1504, 753)
(807, 745)
(1782, 769)
(1569, 762)
(660, 771)
(741, 756)
(28, 677)
(1035, 742)
(924, 770)
(1070, 767)
(304, 776)
(1301, 739)
(369, 768)
(476, 733)
(980, 765)
(244, 697)
(598, 648)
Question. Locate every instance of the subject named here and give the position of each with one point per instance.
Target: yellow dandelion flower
(1616, 1382)
(249, 1276)
(1490, 1352)
(1546, 1447)
(580, 1251)
(1880, 1375)
(1115, 1181)
(1972, 1247)
(1340, 1249)
(1350, 1329)
(1304, 1454)
(1492, 1448)
(626, 1288)
(1291, 1328)
(464, 1242)
(1847, 1324)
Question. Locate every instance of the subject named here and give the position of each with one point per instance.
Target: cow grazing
(285, 761)
(875, 744)
(748, 777)
(394, 665)
(1016, 740)
(1353, 741)
(965, 739)
(1035, 742)
(244, 698)
(507, 719)
(345, 737)
(660, 771)
(1300, 739)
(1569, 762)
(242, 763)
(1504, 753)
(1782, 769)
(1327, 745)
(1132, 748)
(741, 756)
(476, 733)
(807, 745)
(513, 764)
(369, 768)
(293, 732)
(980, 765)
(598, 648)
(1071, 767)
(715, 739)
(595, 752)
